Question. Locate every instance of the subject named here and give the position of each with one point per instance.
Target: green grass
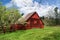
(48, 33)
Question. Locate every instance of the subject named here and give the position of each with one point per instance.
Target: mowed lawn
(48, 33)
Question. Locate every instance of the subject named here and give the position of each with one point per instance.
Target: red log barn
(31, 20)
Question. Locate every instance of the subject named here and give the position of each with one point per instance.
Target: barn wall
(36, 17)
(28, 25)
(15, 27)
(41, 24)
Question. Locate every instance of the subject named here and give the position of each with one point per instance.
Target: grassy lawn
(48, 33)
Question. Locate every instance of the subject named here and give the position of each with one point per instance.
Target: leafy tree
(53, 17)
(8, 16)
(2, 11)
(13, 15)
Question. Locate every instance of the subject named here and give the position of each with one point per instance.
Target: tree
(53, 16)
(13, 15)
(8, 16)
(56, 14)
(2, 11)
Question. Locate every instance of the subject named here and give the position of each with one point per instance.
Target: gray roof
(24, 18)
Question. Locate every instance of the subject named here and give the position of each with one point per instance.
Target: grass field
(48, 33)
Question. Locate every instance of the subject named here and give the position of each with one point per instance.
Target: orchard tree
(2, 12)
(8, 16)
(13, 15)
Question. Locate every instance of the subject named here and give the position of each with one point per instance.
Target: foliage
(8, 16)
(52, 18)
(12, 15)
(56, 14)
(2, 12)
(50, 22)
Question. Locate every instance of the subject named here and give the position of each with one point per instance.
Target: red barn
(31, 20)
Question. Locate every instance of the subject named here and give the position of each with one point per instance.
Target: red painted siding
(34, 22)
(35, 16)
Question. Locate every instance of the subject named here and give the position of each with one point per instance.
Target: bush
(49, 22)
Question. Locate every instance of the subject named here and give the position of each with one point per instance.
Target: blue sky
(50, 2)
(41, 6)
(44, 2)
(5, 1)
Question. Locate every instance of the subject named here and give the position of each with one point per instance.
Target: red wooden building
(31, 20)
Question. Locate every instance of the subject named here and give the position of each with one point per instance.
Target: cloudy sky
(26, 6)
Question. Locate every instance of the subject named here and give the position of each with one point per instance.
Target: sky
(26, 6)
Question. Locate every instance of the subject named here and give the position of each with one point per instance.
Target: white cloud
(27, 6)
(23, 3)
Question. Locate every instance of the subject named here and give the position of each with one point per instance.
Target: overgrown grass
(48, 33)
